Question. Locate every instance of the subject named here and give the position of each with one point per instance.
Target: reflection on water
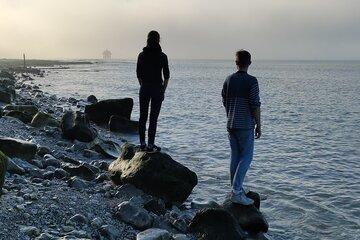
(307, 162)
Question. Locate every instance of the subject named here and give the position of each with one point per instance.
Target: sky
(190, 29)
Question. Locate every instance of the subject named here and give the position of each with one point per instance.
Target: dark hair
(153, 39)
(243, 58)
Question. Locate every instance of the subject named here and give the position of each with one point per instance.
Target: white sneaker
(241, 199)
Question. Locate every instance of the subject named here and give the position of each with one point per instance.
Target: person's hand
(257, 131)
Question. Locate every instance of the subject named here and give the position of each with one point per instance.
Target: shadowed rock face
(124, 125)
(249, 217)
(30, 110)
(25, 118)
(101, 111)
(42, 119)
(154, 173)
(3, 166)
(76, 126)
(215, 224)
(17, 148)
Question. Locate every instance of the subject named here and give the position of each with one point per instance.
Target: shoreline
(38, 205)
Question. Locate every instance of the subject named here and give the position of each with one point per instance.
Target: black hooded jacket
(151, 61)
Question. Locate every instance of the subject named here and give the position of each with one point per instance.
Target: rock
(25, 118)
(3, 167)
(6, 74)
(122, 124)
(134, 215)
(42, 151)
(77, 183)
(249, 217)
(110, 232)
(180, 237)
(199, 204)
(215, 224)
(42, 119)
(30, 231)
(96, 222)
(46, 236)
(17, 148)
(102, 177)
(92, 99)
(101, 111)
(108, 149)
(81, 171)
(156, 206)
(256, 197)
(153, 234)
(76, 126)
(5, 95)
(30, 110)
(13, 168)
(78, 219)
(60, 173)
(49, 160)
(155, 173)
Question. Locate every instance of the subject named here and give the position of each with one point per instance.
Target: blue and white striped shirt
(240, 96)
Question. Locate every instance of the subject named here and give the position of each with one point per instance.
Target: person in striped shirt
(240, 95)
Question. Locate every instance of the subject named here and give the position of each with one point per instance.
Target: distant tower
(106, 55)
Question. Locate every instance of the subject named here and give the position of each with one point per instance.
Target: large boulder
(16, 148)
(122, 124)
(25, 118)
(249, 217)
(154, 173)
(3, 167)
(215, 224)
(30, 110)
(42, 119)
(75, 125)
(101, 111)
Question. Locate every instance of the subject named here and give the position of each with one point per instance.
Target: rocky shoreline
(68, 177)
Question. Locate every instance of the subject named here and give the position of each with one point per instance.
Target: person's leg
(156, 102)
(246, 145)
(234, 156)
(144, 100)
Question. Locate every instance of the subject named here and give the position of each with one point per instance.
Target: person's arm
(223, 93)
(166, 72)
(255, 106)
(139, 67)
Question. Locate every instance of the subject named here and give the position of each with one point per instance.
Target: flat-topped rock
(17, 148)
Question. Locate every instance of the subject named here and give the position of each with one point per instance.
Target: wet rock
(249, 217)
(77, 183)
(108, 149)
(17, 148)
(3, 166)
(30, 231)
(60, 173)
(76, 126)
(92, 99)
(134, 215)
(122, 124)
(82, 171)
(215, 224)
(42, 119)
(30, 110)
(42, 151)
(13, 168)
(25, 118)
(49, 160)
(101, 111)
(154, 234)
(155, 173)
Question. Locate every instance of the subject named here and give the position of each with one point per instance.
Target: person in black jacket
(152, 63)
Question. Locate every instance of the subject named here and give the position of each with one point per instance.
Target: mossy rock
(3, 167)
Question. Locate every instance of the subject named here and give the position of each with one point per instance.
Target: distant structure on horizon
(106, 55)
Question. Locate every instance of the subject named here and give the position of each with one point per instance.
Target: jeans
(155, 95)
(242, 149)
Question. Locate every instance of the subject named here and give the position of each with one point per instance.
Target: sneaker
(153, 148)
(241, 199)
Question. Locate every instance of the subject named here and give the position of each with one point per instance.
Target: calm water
(307, 161)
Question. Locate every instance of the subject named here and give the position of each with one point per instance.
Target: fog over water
(281, 29)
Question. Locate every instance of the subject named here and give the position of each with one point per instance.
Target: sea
(306, 165)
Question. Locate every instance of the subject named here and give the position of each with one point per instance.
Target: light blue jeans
(242, 150)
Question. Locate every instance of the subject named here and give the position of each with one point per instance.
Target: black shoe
(153, 148)
(143, 147)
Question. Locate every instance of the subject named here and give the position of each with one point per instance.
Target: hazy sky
(270, 29)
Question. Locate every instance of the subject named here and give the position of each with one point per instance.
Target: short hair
(243, 57)
(153, 38)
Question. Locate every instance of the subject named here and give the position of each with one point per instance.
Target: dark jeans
(155, 95)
